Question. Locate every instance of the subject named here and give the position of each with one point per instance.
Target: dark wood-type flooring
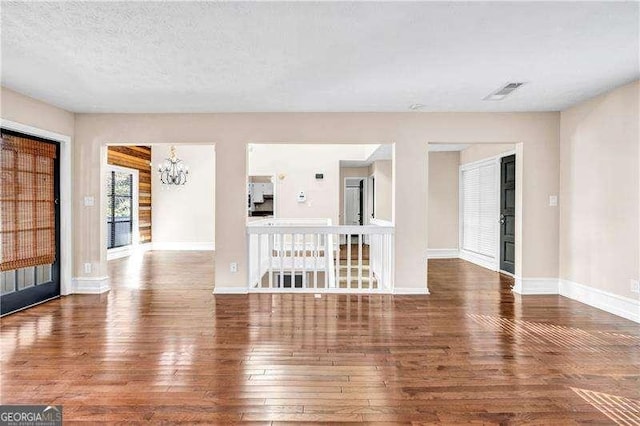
(160, 347)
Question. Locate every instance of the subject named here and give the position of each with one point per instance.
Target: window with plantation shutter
(479, 185)
(27, 203)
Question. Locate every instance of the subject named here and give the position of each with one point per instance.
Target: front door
(507, 213)
(29, 222)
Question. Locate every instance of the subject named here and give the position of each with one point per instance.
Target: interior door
(29, 222)
(507, 213)
(361, 205)
(352, 205)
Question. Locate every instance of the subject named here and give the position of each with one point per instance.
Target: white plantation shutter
(480, 209)
(471, 212)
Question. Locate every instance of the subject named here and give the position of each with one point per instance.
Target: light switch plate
(553, 200)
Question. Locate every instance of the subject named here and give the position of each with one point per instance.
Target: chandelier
(172, 170)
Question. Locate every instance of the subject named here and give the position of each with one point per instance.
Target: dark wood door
(31, 285)
(508, 213)
(361, 203)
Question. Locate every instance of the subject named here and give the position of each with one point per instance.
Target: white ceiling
(381, 152)
(316, 56)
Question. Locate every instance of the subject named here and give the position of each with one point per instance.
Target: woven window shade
(27, 203)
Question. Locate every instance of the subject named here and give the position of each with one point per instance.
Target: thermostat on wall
(319, 176)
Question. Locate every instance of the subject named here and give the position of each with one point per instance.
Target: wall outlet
(635, 286)
(89, 201)
(87, 268)
(233, 267)
(553, 200)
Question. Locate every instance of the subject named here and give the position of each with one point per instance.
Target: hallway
(161, 347)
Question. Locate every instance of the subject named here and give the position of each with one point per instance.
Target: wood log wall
(139, 158)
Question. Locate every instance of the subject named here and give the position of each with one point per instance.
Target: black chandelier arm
(172, 171)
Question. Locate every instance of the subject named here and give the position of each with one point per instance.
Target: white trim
(194, 246)
(230, 290)
(531, 286)
(66, 223)
(91, 285)
(365, 207)
(411, 291)
(449, 253)
(310, 290)
(612, 303)
(478, 259)
(120, 252)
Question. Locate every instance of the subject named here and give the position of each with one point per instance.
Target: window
(479, 185)
(120, 214)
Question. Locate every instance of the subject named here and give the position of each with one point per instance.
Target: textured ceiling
(324, 56)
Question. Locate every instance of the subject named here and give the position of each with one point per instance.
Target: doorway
(30, 231)
(122, 208)
(354, 194)
(507, 213)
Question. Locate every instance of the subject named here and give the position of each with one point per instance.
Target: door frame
(274, 182)
(118, 252)
(66, 223)
(365, 207)
(479, 260)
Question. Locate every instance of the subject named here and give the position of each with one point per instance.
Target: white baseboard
(205, 246)
(478, 259)
(411, 291)
(604, 300)
(451, 253)
(533, 286)
(244, 290)
(90, 285)
(230, 290)
(316, 291)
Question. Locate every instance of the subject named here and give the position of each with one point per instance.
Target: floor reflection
(160, 347)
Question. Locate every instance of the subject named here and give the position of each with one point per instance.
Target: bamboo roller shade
(27, 214)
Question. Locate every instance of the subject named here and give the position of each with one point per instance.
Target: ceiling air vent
(503, 92)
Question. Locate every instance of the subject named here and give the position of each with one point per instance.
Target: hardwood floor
(159, 347)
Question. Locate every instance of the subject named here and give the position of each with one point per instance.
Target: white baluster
(349, 260)
(371, 237)
(304, 260)
(315, 260)
(360, 261)
(270, 241)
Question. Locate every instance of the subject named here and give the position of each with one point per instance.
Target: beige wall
(185, 214)
(31, 112)
(410, 132)
(443, 199)
(538, 132)
(382, 171)
(346, 172)
(481, 151)
(298, 164)
(599, 183)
